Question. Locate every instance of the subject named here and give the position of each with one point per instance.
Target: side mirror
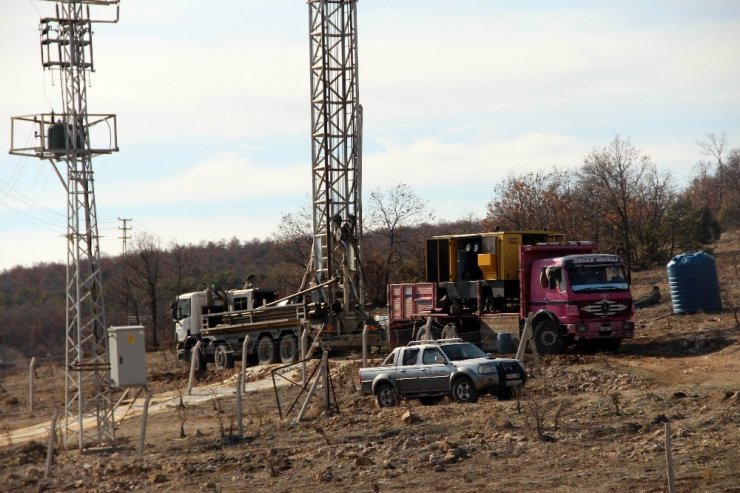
(439, 360)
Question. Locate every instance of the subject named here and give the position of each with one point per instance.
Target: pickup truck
(431, 370)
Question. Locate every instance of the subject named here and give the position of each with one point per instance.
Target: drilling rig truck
(574, 294)
(222, 319)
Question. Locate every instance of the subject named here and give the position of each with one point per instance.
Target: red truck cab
(574, 295)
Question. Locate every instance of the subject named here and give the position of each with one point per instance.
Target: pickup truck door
(407, 371)
(434, 377)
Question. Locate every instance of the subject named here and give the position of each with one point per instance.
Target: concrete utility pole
(69, 138)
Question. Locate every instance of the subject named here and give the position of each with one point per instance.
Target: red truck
(574, 294)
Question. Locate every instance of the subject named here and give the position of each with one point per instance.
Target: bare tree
(612, 176)
(145, 263)
(294, 240)
(652, 225)
(714, 146)
(295, 236)
(393, 214)
(178, 259)
(534, 200)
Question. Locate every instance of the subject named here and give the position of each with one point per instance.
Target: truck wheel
(385, 395)
(547, 339)
(265, 350)
(223, 358)
(288, 349)
(463, 390)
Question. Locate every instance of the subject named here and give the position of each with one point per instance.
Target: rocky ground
(590, 422)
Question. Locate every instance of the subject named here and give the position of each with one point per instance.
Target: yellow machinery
(490, 256)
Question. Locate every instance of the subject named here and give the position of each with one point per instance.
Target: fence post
(304, 350)
(193, 361)
(243, 371)
(364, 346)
(52, 444)
(31, 382)
(325, 373)
(239, 420)
(144, 416)
(669, 458)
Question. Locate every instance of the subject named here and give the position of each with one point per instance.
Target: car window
(430, 354)
(390, 360)
(462, 351)
(410, 356)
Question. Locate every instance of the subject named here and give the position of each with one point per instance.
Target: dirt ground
(593, 422)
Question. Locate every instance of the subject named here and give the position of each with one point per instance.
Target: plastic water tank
(692, 278)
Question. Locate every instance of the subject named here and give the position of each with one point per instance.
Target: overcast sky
(213, 109)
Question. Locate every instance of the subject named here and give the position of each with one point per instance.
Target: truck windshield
(590, 278)
(183, 309)
(463, 350)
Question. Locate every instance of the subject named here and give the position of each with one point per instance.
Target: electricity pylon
(66, 139)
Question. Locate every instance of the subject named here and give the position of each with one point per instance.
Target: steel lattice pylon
(64, 139)
(336, 128)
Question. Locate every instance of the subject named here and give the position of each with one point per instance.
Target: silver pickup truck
(431, 370)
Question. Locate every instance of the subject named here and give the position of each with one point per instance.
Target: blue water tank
(692, 279)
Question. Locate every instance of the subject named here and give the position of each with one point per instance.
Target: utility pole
(125, 230)
(68, 139)
(336, 158)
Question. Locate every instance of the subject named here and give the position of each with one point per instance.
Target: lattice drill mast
(336, 128)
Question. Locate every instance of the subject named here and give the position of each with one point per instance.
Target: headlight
(483, 369)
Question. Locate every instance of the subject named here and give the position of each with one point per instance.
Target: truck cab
(575, 295)
(198, 310)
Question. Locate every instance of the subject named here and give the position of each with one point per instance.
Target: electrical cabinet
(127, 356)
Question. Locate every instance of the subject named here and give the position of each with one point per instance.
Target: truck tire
(266, 350)
(547, 338)
(386, 396)
(463, 390)
(223, 358)
(288, 349)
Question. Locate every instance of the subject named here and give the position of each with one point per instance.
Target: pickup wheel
(265, 350)
(223, 358)
(547, 338)
(288, 349)
(386, 395)
(463, 390)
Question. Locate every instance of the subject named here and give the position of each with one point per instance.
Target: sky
(213, 109)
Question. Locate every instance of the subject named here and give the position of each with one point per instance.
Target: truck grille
(604, 308)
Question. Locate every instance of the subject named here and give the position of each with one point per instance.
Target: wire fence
(31, 391)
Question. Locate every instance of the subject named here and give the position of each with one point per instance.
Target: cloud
(222, 178)
(431, 162)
